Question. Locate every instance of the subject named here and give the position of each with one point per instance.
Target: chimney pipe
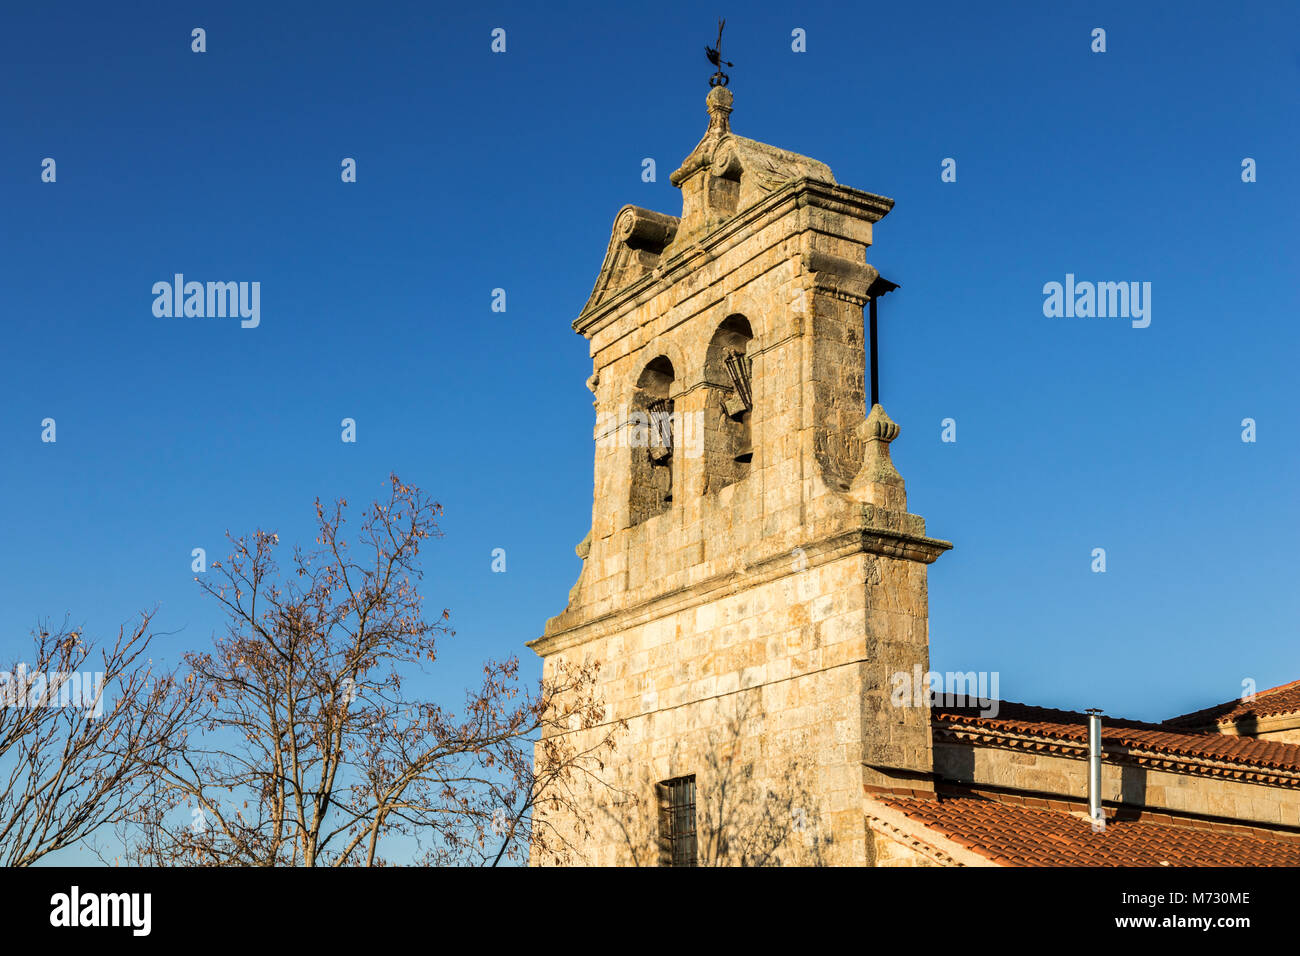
(1095, 812)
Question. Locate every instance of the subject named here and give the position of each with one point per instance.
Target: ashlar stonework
(747, 596)
(752, 582)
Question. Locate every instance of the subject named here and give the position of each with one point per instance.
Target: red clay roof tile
(1274, 702)
(1064, 725)
(1020, 835)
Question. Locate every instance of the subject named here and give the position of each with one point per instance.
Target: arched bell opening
(650, 440)
(728, 437)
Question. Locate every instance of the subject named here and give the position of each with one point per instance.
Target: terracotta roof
(1274, 702)
(1016, 835)
(1021, 726)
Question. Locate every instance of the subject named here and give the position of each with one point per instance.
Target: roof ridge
(1107, 719)
(1276, 759)
(1231, 711)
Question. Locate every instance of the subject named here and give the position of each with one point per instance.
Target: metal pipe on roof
(1094, 766)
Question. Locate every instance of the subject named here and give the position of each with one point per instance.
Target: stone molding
(606, 304)
(878, 541)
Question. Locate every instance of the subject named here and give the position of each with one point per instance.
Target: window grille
(677, 822)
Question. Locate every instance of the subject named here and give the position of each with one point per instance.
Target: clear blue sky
(478, 171)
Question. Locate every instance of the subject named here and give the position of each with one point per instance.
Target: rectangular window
(677, 822)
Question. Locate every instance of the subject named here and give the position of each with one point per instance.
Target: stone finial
(880, 427)
(719, 103)
(878, 481)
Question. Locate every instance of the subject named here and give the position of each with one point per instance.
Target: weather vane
(715, 57)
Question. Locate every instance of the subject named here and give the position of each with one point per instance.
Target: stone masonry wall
(756, 693)
(748, 632)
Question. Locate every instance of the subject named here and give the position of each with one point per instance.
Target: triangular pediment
(636, 245)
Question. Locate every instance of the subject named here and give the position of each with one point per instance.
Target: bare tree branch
(315, 753)
(79, 732)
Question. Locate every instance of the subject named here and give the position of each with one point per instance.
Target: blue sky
(479, 170)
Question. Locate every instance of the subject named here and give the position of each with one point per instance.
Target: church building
(753, 584)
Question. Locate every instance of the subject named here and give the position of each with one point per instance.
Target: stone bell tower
(752, 578)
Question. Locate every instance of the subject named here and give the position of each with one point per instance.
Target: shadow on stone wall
(748, 812)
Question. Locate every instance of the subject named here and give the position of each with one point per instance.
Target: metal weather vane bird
(715, 57)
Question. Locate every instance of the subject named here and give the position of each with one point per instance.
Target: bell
(745, 453)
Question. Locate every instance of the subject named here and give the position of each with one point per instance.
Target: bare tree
(318, 749)
(79, 732)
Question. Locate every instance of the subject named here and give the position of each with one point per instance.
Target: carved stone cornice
(572, 627)
(839, 277)
(619, 288)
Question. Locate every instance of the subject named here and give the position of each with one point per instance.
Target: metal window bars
(677, 822)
